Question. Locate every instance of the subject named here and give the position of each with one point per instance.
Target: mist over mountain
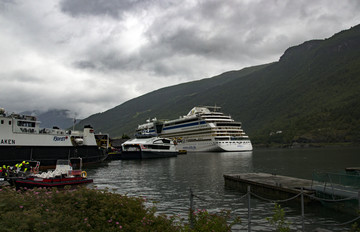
(51, 118)
(312, 94)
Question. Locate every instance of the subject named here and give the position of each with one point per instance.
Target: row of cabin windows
(2, 122)
(26, 124)
(181, 122)
(20, 123)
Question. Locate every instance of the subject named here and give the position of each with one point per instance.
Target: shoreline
(305, 145)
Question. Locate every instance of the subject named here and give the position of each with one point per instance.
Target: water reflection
(236, 162)
(167, 181)
(303, 162)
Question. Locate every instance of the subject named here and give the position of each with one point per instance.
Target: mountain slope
(311, 94)
(165, 103)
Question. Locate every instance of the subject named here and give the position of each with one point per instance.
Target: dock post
(302, 209)
(359, 200)
(249, 208)
(191, 209)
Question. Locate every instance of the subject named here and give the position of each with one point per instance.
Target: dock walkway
(271, 186)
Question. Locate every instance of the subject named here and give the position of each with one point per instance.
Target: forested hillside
(311, 95)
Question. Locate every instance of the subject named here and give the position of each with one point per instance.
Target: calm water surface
(168, 181)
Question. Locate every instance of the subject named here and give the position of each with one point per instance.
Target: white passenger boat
(147, 148)
(202, 129)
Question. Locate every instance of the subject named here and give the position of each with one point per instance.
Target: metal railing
(302, 194)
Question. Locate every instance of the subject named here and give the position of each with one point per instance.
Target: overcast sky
(91, 55)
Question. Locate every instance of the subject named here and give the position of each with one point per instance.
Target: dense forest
(310, 96)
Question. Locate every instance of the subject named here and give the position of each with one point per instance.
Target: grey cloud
(220, 34)
(83, 64)
(109, 61)
(227, 31)
(23, 78)
(4, 4)
(113, 8)
(230, 31)
(85, 42)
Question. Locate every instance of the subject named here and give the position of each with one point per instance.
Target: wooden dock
(270, 186)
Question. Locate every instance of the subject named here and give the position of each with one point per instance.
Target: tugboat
(67, 172)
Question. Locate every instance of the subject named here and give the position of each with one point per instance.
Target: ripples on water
(168, 181)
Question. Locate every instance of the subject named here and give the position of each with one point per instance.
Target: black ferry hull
(48, 155)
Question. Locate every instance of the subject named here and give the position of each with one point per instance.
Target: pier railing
(340, 179)
(248, 196)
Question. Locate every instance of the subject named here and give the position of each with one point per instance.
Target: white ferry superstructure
(21, 138)
(202, 129)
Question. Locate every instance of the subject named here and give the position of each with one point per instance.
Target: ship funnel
(89, 137)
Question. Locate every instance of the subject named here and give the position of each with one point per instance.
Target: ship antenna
(74, 121)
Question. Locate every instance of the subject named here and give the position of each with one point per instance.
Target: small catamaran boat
(148, 148)
(67, 172)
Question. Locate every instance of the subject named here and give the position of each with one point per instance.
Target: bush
(76, 210)
(278, 219)
(202, 220)
(83, 209)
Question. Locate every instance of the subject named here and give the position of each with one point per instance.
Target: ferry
(148, 148)
(204, 128)
(21, 138)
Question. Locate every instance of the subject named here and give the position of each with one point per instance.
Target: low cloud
(91, 55)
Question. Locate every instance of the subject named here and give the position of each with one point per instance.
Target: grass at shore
(83, 209)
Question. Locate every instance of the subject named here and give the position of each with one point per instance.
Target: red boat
(31, 182)
(67, 172)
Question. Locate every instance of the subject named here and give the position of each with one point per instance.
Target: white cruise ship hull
(209, 146)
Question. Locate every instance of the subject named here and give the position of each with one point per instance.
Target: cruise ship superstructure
(202, 129)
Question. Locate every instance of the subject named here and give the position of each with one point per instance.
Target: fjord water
(167, 182)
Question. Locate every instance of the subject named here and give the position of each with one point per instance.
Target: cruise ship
(204, 128)
(21, 138)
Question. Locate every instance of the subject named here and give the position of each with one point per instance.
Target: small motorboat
(67, 172)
